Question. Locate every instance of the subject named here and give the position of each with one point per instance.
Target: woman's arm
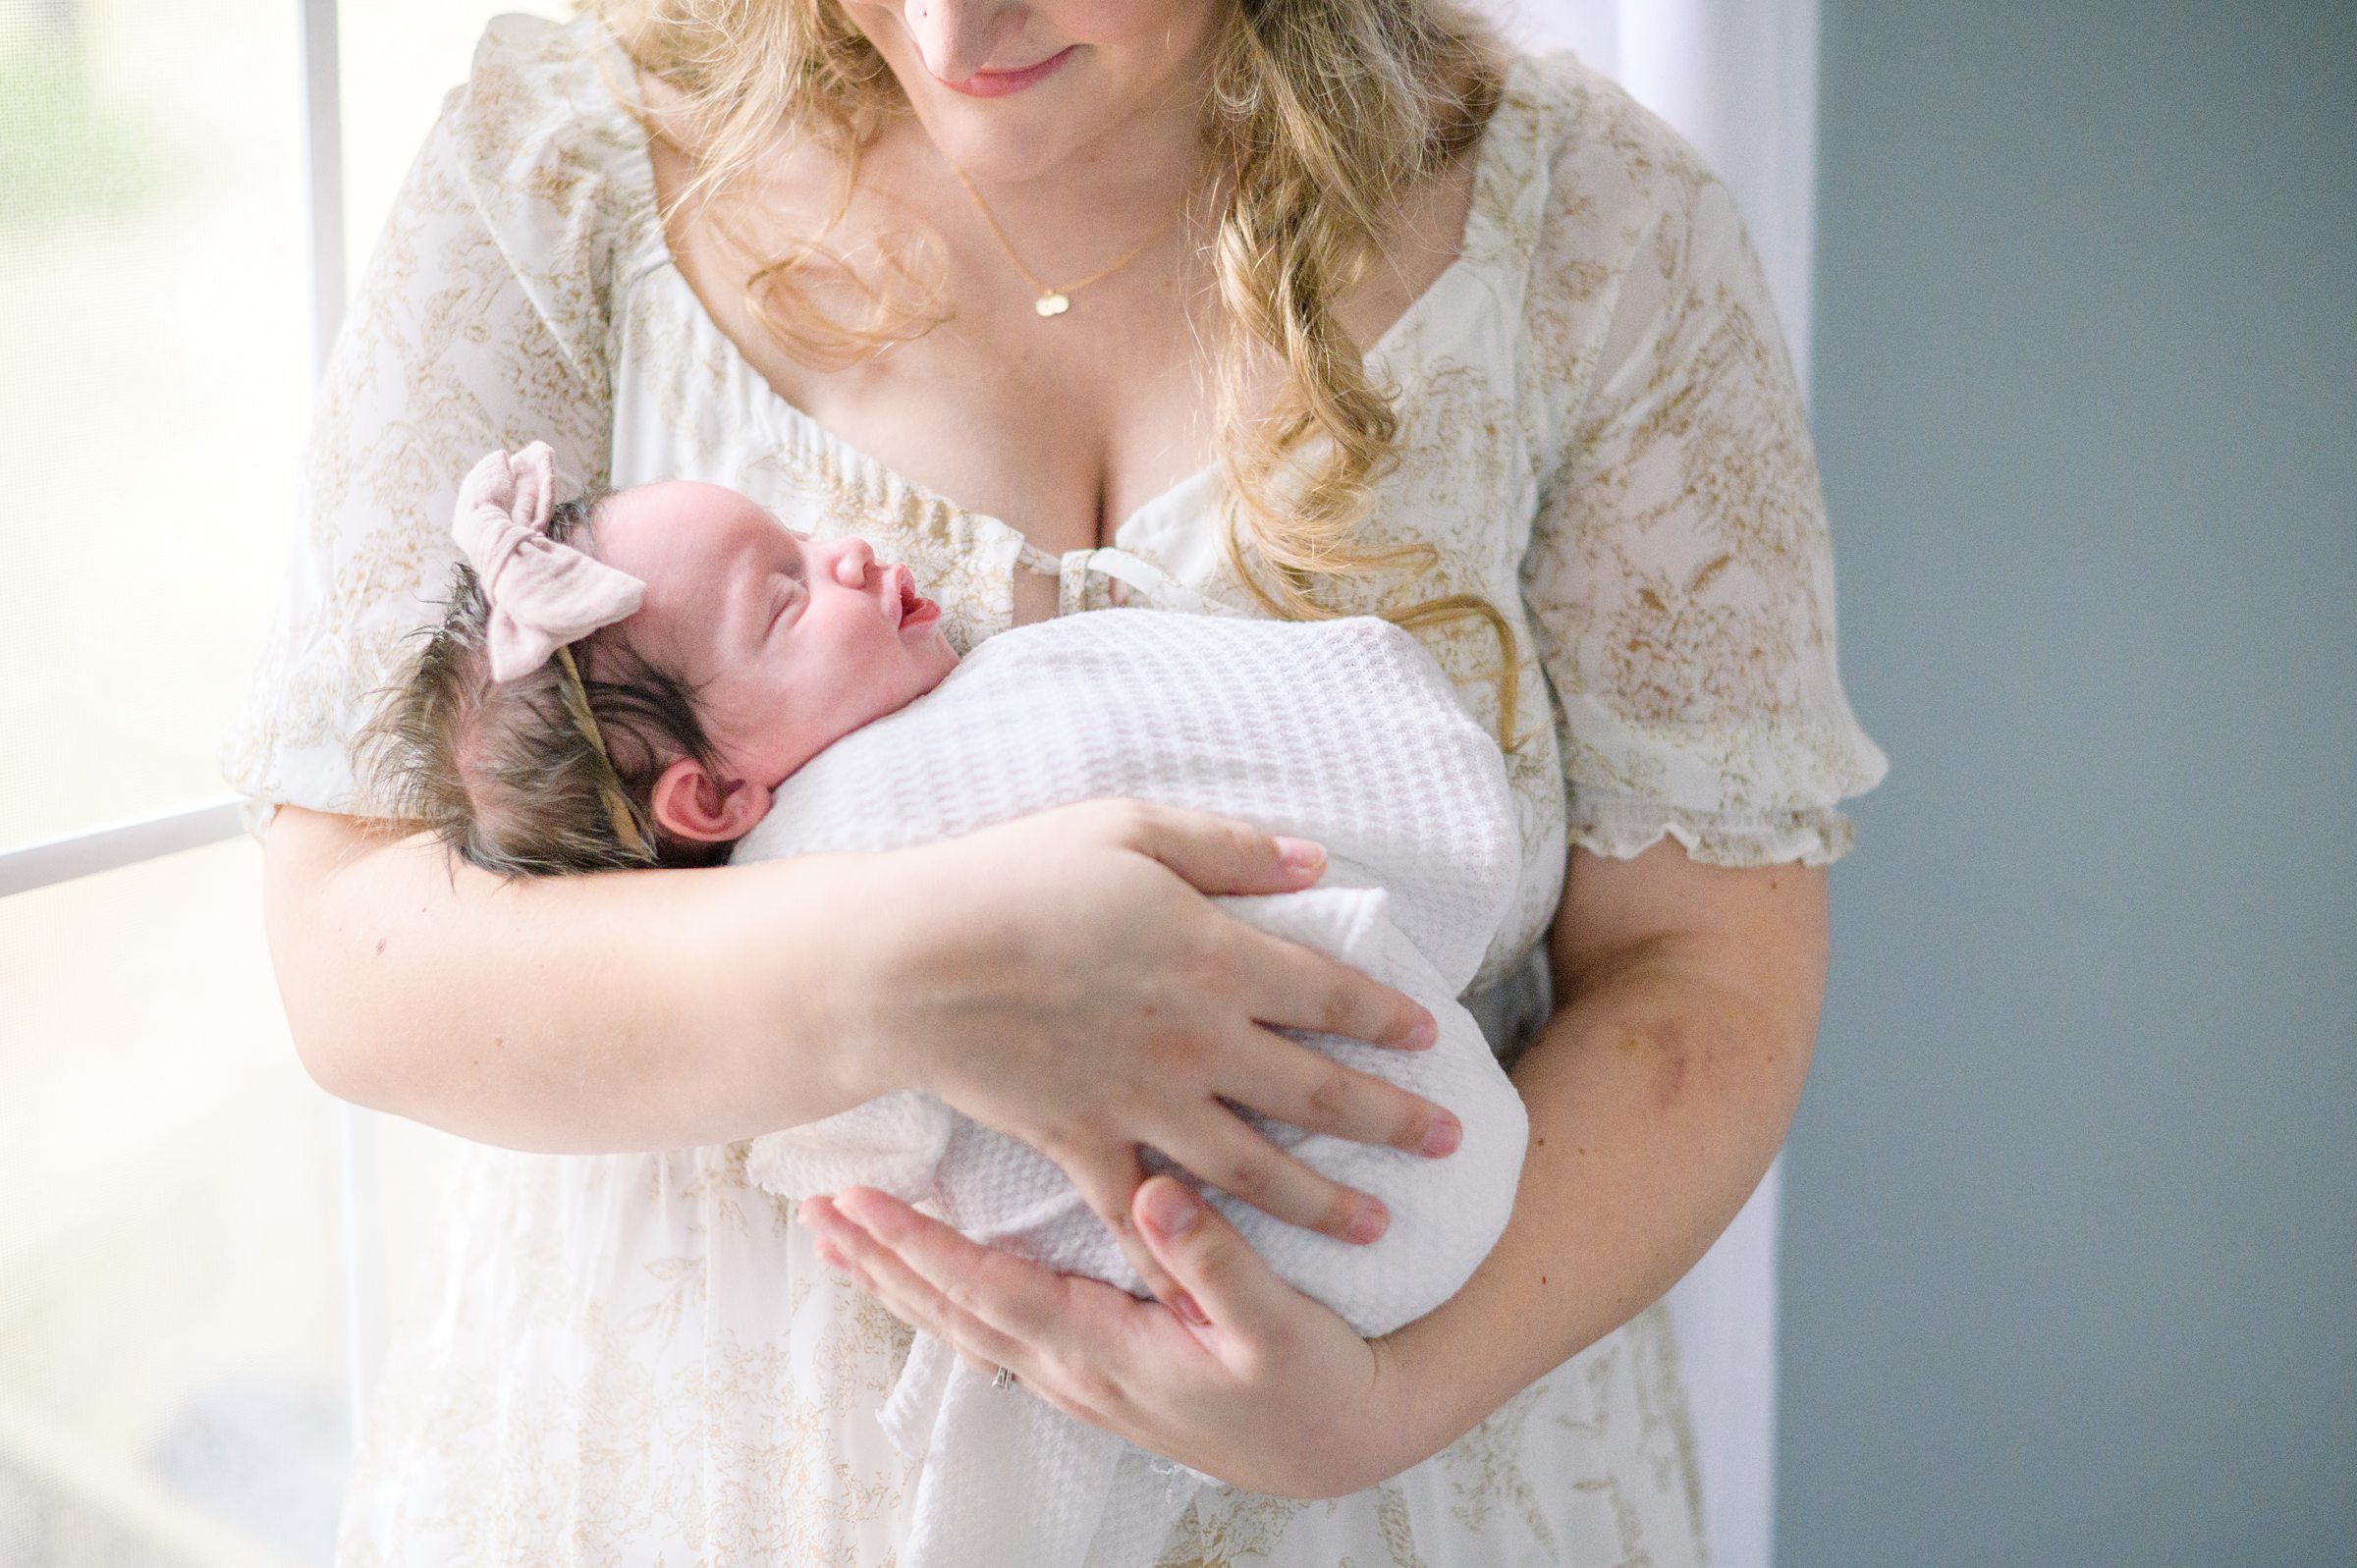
(563, 1015)
(1658, 1092)
(667, 1008)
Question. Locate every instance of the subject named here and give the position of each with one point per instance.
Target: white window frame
(92, 850)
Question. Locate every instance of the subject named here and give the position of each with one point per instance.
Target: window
(197, 1242)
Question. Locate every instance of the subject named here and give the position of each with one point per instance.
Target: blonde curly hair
(1325, 113)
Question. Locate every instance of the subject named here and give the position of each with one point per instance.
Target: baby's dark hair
(503, 773)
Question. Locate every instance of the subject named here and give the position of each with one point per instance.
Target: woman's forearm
(1658, 1092)
(597, 1015)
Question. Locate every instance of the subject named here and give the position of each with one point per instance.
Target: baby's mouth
(910, 607)
(904, 602)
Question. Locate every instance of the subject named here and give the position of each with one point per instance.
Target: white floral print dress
(636, 1358)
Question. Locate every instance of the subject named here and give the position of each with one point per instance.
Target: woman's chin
(993, 144)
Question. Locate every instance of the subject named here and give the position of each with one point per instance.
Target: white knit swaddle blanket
(1345, 733)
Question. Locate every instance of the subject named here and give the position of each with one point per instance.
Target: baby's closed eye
(782, 595)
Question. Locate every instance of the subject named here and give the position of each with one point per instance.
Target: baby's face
(787, 643)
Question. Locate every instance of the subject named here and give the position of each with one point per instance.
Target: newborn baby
(702, 653)
(645, 704)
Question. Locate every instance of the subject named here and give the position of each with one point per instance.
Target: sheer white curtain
(1739, 78)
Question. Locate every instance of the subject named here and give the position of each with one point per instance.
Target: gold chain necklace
(1053, 301)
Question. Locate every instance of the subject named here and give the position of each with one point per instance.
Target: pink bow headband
(543, 594)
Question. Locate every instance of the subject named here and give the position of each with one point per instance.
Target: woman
(1047, 260)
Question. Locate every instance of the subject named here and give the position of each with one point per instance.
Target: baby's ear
(690, 803)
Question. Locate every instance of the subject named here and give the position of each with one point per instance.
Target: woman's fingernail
(1184, 1305)
(1446, 1134)
(849, 1216)
(1424, 1036)
(1300, 854)
(1172, 1210)
(1368, 1222)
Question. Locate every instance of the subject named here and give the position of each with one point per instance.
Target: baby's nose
(851, 567)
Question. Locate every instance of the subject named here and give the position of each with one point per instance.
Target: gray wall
(2072, 1261)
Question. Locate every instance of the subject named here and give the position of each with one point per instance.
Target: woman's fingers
(913, 1298)
(1215, 854)
(1288, 1081)
(986, 1303)
(1106, 1180)
(1240, 1296)
(1297, 988)
(1226, 1152)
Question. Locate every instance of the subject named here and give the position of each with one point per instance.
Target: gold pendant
(1050, 304)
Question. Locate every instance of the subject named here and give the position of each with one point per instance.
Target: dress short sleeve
(478, 322)
(1679, 578)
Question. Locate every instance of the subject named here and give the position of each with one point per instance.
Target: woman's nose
(954, 37)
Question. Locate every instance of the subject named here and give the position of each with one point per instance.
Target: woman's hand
(1242, 1377)
(1105, 1003)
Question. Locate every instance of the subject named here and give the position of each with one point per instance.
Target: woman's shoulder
(556, 165)
(537, 87)
(1606, 211)
(1592, 181)
(1598, 149)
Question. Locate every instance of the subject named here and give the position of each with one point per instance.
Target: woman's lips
(999, 84)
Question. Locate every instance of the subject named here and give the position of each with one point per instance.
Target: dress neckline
(1476, 241)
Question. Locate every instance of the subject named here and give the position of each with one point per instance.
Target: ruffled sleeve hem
(1623, 828)
(317, 777)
